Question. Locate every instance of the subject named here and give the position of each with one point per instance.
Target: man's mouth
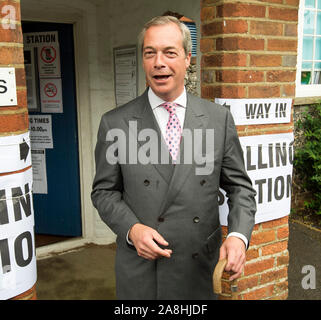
(161, 77)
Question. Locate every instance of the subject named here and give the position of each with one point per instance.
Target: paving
(88, 273)
(305, 263)
(84, 274)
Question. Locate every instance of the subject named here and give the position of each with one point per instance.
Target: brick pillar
(249, 51)
(14, 119)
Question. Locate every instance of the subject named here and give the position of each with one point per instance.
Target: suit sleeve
(237, 184)
(107, 188)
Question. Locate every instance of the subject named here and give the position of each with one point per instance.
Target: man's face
(164, 60)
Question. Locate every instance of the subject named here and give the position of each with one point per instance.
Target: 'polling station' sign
(17, 250)
(269, 163)
(17, 247)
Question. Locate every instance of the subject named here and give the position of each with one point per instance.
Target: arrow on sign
(24, 150)
(227, 106)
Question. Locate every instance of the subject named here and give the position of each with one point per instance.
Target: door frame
(86, 167)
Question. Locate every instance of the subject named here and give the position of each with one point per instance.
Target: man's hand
(233, 248)
(145, 240)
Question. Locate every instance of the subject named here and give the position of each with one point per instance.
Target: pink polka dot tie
(173, 130)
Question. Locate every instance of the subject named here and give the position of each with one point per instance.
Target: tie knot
(170, 106)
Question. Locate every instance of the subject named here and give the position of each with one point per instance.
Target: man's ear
(188, 59)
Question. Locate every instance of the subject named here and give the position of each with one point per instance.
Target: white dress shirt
(162, 116)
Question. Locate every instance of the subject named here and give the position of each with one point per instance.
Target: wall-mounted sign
(15, 152)
(268, 162)
(49, 61)
(125, 62)
(51, 95)
(258, 111)
(40, 127)
(43, 71)
(40, 38)
(18, 271)
(39, 171)
(8, 92)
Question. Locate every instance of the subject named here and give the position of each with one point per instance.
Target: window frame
(303, 90)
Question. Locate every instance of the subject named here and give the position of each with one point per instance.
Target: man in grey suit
(165, 213)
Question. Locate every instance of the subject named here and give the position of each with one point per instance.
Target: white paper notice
(40, 127)
(39, 171)
(258, 111)
(51, 95)
(15, 152)
(125, 75)
(8, 91)
(269, 163)
(18, 271)
(47, 44)
(49, 61)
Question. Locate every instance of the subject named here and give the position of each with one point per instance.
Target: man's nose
(159, 61)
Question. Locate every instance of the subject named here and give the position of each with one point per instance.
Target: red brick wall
(14, 119)
(249, 51)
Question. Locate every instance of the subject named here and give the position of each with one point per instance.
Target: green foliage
(307, 160)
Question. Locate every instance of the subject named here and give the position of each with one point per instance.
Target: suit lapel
(195, 118)
(145, 119)
(173, 175)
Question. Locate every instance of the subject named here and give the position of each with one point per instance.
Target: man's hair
(163, 20)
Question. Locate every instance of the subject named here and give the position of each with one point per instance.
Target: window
(308, 79)
(192, 28)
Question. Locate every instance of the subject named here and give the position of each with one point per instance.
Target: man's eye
(148, 53)
(171, 54)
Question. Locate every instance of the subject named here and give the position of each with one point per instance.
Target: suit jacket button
(202, 182)
(196, 219)
(146, 182)
(195, 255)
(161, 219)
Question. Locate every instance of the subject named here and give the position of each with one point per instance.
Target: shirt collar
(156, 101)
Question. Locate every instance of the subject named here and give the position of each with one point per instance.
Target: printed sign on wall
(39, 171)
(258, 111)
(8, 92)
(125, 74)
(51, 95)
(40, 127)
(49, 61)
(43, 47)
(15, 153)
(17, 247)
(268, 162)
